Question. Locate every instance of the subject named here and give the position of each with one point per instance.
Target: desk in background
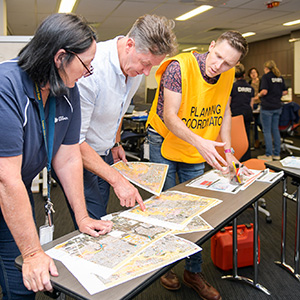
(294, 174)
(218, 217)
(133, 134)
(138, 119)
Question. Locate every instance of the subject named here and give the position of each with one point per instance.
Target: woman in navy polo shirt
(40, 87)
(272, 88)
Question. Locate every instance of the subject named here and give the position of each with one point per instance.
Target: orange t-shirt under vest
(202, 108)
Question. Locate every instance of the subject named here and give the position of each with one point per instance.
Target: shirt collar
(115, 56)
(28, 84)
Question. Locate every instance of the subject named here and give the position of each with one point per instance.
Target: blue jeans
(11, 279)
(96, 191)
(270, 124)
(185, 172)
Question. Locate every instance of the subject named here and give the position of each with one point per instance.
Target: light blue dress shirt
(105, 97)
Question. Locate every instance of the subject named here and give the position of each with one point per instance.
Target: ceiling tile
(115, 17)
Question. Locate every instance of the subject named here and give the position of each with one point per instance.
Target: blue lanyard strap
(49, 144)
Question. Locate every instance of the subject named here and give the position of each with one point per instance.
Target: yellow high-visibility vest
(202, 108)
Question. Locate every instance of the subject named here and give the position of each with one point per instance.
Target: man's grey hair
(155, 34)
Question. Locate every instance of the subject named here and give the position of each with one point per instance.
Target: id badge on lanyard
(46, 231)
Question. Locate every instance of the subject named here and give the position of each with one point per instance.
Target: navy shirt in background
(275, 86)
(20, 124)
(241, 95)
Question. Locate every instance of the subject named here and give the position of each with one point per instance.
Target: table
(295, 175)
(218, 217)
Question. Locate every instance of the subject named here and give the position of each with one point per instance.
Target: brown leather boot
(197, 282)
(170, 281)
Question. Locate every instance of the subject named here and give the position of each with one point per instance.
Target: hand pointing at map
(127, 193)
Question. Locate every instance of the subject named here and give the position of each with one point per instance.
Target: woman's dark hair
(250, 70)
(58, 31)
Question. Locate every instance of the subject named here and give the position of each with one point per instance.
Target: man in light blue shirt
(119, 65)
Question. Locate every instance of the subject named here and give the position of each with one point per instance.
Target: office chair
(132, 142)
(239, 142)
(288, 124)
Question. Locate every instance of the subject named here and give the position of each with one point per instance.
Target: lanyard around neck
(49, 143)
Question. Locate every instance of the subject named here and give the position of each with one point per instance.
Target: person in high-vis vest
(189, 111)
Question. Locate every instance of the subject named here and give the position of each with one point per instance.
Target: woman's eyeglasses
(89, 70)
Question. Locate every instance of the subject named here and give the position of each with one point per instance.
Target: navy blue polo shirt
(275, 86)
(241, 95)
(20, 125)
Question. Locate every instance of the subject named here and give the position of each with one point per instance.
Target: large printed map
(140, 242)
(160, 253)
(196, 224)
(149, 176)
(103, 262)
(172, 209)
(112, 250)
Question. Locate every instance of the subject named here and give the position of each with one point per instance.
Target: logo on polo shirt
(243, 89)
(60, 119)
(276, 80)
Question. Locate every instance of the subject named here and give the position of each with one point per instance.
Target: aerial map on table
(291, 162)
(196, 224)
(149, 176)
(103, 262)
(160, 253)
(113, 249)
(172, 209)
(139, 243)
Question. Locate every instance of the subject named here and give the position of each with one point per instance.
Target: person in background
(119, 66)
(253, 74)
(241, 102)
(42, 78)
(189, 111)
(272, 88)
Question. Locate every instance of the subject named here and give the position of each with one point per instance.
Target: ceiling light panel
(199, 10)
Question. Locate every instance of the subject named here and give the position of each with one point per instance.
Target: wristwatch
(117, 144)
(230, 150)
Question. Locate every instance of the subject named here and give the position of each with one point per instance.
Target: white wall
(11, 45)
(297, 67)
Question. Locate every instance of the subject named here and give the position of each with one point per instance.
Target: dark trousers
(96, 191)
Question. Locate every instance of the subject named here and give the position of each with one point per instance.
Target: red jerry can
(221, 247)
